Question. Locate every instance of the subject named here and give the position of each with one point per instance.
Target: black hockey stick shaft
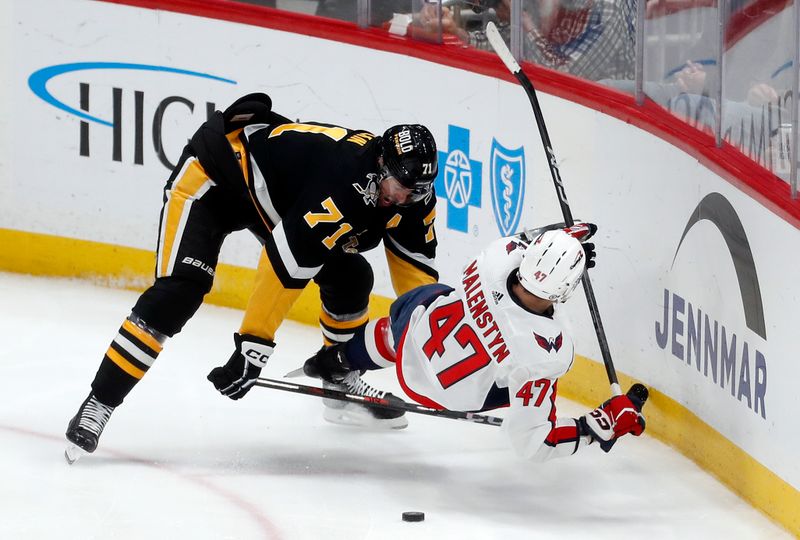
(377, 402)
(500, 47)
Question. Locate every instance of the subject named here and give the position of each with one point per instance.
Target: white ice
(178, 460)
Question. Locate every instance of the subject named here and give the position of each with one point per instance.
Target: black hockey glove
(329, 364)
(583, 231)
(235, 378)
(588, 248)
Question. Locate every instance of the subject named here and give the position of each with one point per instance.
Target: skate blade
(362, 418)
(299, 372)
(73, 453)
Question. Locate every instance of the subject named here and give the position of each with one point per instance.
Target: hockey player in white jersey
(494, 340)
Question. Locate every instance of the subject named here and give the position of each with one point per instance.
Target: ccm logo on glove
(257, 354)
(616, 417)
(240, 372)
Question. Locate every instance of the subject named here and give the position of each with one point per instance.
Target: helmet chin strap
(529, 300)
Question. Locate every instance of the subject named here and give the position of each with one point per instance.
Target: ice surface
(178, 460)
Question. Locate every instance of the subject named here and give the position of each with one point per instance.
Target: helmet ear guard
(552, 265)
(409, 155)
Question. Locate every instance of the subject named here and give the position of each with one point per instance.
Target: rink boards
(696, 276)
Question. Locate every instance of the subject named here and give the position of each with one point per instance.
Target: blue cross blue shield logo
(508, 186)
(459, 179)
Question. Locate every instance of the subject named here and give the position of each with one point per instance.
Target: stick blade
(500, 47)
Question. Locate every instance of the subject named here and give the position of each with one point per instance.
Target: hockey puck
(413, 516)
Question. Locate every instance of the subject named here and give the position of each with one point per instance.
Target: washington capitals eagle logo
(548, 344)
(513, 245)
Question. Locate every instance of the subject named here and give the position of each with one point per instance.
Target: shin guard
(131, 353)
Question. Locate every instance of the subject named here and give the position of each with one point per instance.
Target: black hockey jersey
(315, 189)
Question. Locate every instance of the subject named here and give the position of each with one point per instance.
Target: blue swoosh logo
(38, 80)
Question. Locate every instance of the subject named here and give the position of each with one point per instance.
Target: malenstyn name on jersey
(480, 313)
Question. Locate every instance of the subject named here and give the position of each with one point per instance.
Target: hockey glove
(329, 364)
(581, 230)
(588, 249)
(235, 378)
(616, 417)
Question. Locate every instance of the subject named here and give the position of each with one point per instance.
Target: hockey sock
(370, 347)
(341, 328)
(132, 352)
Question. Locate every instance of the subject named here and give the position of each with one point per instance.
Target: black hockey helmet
(409, 154)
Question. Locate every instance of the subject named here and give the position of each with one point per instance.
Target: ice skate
(355, 414)
(85, 428)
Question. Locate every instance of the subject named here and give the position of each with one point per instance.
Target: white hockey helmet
(552, 265)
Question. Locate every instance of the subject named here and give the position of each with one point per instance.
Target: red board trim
(754, 180)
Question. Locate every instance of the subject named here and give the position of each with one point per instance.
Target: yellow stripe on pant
(190, 184)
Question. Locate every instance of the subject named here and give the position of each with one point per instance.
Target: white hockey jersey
(467, 345)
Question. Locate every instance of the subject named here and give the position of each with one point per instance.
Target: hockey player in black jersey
(315, 195)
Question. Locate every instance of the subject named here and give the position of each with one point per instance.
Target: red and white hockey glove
(582, 231)
(616, 417)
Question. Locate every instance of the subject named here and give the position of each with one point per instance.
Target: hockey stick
(377, 402)
(500, 47)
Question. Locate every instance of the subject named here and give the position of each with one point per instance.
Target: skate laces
(94, 416)
(356, 385)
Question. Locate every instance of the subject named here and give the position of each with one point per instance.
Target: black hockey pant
(196, 217)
